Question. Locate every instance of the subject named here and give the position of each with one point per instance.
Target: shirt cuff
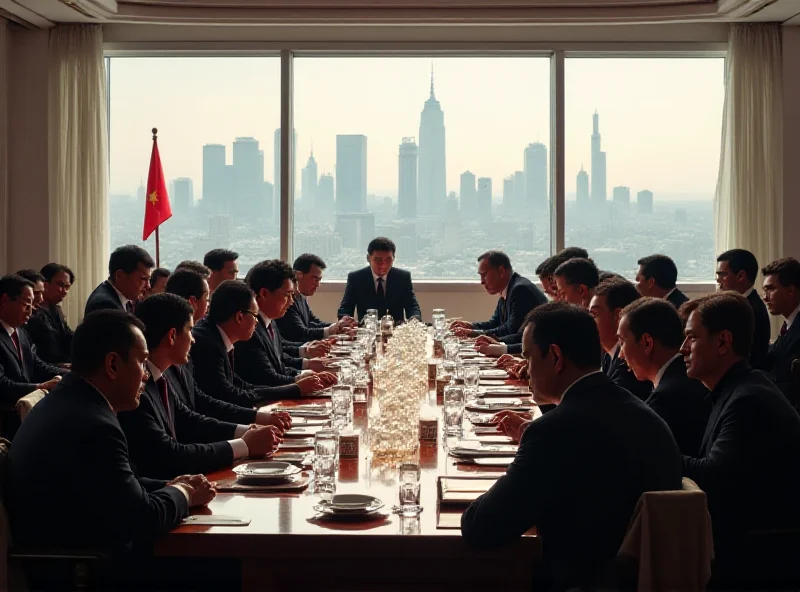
(182, 489)
(504, 347)
(327, 331)
(240, 449)
(240, 430)
(302, 351)
(305, 364)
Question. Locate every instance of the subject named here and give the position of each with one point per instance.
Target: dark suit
(617, 370)
(182, 378)
(21, 377)
(299, 323)
(578, 473)
(762, 331)
(199, 444)
(360, 295)
(676, 298)
(749, 461)
(522, 296)
(261, 359)
(103, 297)
(71, 483)
(215, 376)
(683, 403)
(778, 363)
(50, 333)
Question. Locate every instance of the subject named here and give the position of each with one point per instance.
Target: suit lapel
(272, 347)
(305, 313)
(155, 399)
(177, 383)
(9, 344)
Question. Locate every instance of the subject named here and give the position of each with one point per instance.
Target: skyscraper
(407, 179)
(508, 194)
(215, 189)
(468, 196)
(644, 202)
(351, 173)
(432, 188)
(484, 199)
(248, 176)
(276, 169)
(622, 196)
(582, 193)
(535, 167)
(519, 191)
(183, 196)
(325, 193)
(308, 181)
(598, 163)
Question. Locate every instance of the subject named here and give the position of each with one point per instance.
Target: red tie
(129, 306)
(271, 331)
(162, 389)
(784, 328)
(15, 339)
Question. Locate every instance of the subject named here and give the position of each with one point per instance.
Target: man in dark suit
(299, 323)
(517, 297)
(749, 459)
(650, 334)
(158, 280)
(232, 317)
(657, 277)
(576, 280)
(21, 370)
(47, 327)
(737, 270)
(380, 286)
(782, 295)
(581, 468)
(223, 265)
(37, 279)
(129, 270)
(610, 297)
(72, 441)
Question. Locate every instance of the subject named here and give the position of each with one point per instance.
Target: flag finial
(155, 132)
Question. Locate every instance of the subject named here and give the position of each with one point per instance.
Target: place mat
(463, 490)
(493, 373)
(448, 520)
(214, 520)
(298, 483)
(487, 461)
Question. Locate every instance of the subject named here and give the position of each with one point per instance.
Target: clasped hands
(512, 423)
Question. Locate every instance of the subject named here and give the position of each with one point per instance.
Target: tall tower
(248, 176)
(214, 179)
(351, 173)
(535, 175)
(598, 163)
(582, 194)
(432, 185)
(325, 193)
(407, 179)
(308, 182)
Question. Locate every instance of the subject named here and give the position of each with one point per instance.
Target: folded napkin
(215, 520)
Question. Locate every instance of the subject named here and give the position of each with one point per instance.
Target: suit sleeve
(44, 338)
(492, 322)
(521, 301)
(252, 364)
(100, 302)
(191, 426)
(623, 377)
(515, 349)
(292, 327)
(222, 410)
(209, 373)
(516, 338)
(411, 305)
(348, 304)
(42, 369)
(12, 391)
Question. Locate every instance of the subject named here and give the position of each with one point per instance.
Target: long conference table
(285, 548)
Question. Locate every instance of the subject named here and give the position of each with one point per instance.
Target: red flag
(156, 206)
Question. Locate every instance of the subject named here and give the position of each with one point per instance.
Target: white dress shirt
(747, 293)
(668, 293)
(663, 369)
(9, 329)
(121, 297)
(790, 319)
(225, 340)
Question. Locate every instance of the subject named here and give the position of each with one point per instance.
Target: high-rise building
(535, 168)
(468, 196)
(276, 169)
(407, 179)
(183, 196)
(484, 199)
(351, 173)
(432, 185)
(644, 202)
(508, 194)
(356, 229)
(598, 163)
(215, 187)
(582, 193)
(248, 176)
(452, 228)
(325, 193)
(622, 196)
(308, 182)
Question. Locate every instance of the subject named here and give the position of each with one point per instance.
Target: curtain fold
(78, 159)
(748, 204)
(3, 145)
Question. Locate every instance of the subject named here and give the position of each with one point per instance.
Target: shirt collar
(225, 340)
(666, 296)
(375, 277)
(613, 353)
(154, 371)
(122, 298)
(749, 291)
(663, 369)
(790, 319)
(264, 318)
(9, 329)
(585, 376)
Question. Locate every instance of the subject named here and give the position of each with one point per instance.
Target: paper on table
(215, 520)
(448, 520)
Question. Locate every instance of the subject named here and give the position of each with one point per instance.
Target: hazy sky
(660, 119)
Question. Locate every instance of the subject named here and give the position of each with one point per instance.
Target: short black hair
(545, 267)
(161, 312)
(656, 317)
(31, 275)
(604, 275)
(12, 285)
(568, 253)
(741, 259)
(619, 292)
(787, 270)
(661, 268)
(304, 262)
(215, 259)
(549, 265)
(269, 274)
(687, 308)
(127, 258)
(579, 271)
(100, 333)
(194, 266)
(230, 297)
(186, 283)
(732, 312)
(569, 327)
(50, 270)
(381, 243)
(496, 259)
(158, 273)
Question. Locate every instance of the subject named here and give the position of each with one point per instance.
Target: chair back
(26, 403)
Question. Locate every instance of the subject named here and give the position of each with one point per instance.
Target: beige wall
(3, 143)
(791, 141)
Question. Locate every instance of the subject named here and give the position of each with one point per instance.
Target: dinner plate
(351, 503)
(268, 470)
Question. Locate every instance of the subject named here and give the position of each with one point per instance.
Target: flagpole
(158, 242)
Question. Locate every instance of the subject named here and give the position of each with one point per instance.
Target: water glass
(471, 375)
(453, 409)
(438, 319)
(361, 386)
(409, 478)
(444, 374)
(342, 404)
(326, 455)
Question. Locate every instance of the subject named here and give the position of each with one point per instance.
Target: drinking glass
(387, 328)
(453, 409)
(346, 372)
(472, 376)
(438, 319)
(409, 489)
(342, 404)
(360, 386)
(326, 453)
(444, 374)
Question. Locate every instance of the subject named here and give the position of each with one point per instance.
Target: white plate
(353, 503)
(268, 470)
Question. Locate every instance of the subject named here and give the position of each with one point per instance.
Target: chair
(26, 403)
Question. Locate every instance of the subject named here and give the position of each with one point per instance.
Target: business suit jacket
(50, 333)
(70, 479)
(683, 403)
(299, 323)
(578, 473)
(676, 298)
(522, 296)
(778, 363)
(261, 359)
(104, 296)
(195, 399)
(199, 446)
(761, 333)
(21, 377)
(360, 296)
(617, 370)
(215, 376)
(749, 460)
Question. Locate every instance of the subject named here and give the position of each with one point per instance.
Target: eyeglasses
(251, 313)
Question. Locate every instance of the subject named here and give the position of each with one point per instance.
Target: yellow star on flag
(153, 197)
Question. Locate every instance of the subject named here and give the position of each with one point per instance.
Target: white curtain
(78, 159)
(3, 145)
(748, 204)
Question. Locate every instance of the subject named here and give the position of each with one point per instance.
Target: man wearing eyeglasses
(47, 327)
(380, 286)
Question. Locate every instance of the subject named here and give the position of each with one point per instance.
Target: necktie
(15, 339)
(271, 331)
(129, 306)
(381, 295)
(162, 389)
(784, 328)
(230, 358)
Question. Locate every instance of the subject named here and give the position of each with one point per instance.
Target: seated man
(166, 438)
(749, 459)
(223, 265)
(37, 279)
(610, 297)
(518, 296)
(545, 274)
(73, 438)
(299, 323)
(782, 293)
(576, 280)
(233, 317)
(651, 333)
(737, 270)
(194, 288)
(129, 270)
(581, 468)
(21, 370)
(158, 280)
(47, 327)
(196, 267)
(380, 286)
(656, 278)
(262, 359)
